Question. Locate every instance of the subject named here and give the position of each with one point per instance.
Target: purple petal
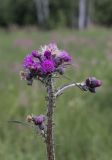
(47, 66)
(38, 119)
(65, 56)
(35, 54)
(47, 54)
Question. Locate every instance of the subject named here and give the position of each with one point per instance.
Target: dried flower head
(22, 75)
(29, 118)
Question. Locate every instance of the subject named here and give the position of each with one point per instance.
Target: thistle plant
(44, 65)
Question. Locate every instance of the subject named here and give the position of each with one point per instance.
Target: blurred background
(83, 129)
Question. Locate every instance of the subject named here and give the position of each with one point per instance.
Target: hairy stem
(65, 87)
(50, 107)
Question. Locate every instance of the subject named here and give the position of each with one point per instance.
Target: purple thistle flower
(38, 120)
(47, 54)
(29, 63)
(92, 83)
(35, 54)
(35, 65)
(47, 66)
(65, 56)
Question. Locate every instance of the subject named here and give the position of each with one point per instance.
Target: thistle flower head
(38, 120)
(46, 61)
(35, 54)
(92, 83)
(47, 66)
(29, 63)
(47, 54)
(65, 56)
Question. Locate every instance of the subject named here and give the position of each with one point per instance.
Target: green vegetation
(83, 120)
(103, 11)
(61, 13)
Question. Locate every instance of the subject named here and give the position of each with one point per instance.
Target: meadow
(83, 121)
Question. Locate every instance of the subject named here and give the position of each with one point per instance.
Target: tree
(42, 7)
(82, 14)
(85, 10)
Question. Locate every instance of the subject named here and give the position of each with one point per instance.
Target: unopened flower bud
(38, 120)
(29, 78)
(92, 83)
(57, 61)
(35, 54)
(47, 54)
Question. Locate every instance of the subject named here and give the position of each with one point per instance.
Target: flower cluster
(46, 61)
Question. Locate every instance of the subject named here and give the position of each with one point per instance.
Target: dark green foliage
(3, 13)
(62, 13)
(21, 12)
(103, 12)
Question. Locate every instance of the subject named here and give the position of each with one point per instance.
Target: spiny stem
(50, 107)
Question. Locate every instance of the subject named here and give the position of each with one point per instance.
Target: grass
(83, 128)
